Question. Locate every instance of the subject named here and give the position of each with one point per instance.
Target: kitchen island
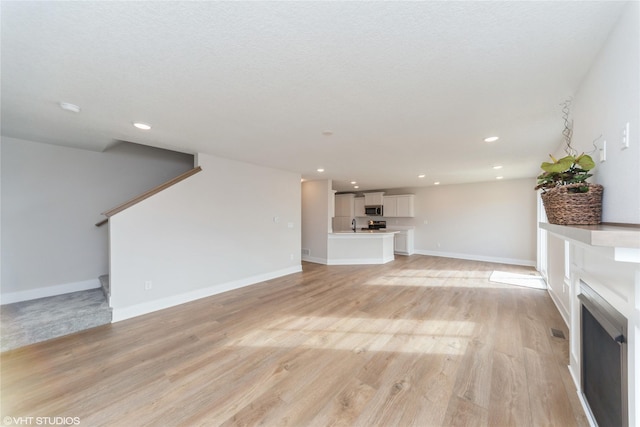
(361, 247)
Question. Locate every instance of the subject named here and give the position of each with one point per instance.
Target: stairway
(29, 322)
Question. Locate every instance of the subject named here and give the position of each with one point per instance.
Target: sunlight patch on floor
(534, 281)
(457, 282)
(361, 334)
(443, 274)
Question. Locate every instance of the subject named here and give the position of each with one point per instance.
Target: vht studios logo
(41, 421)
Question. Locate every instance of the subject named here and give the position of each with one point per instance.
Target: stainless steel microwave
(373, 210)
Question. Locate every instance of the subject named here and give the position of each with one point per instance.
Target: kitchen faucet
(353, 225)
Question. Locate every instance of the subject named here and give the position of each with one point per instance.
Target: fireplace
(603, 339)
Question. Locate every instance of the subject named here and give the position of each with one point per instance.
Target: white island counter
(361, 247)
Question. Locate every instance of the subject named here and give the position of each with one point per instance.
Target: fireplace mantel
(622, 239)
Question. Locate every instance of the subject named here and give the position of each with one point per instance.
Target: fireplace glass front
(604, 359)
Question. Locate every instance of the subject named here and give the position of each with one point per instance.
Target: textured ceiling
(405, 88)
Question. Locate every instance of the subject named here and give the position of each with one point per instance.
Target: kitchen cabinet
(344, 205)
(405, 205)
(401, 206)
(403, 242)
(358, 207)
(390, 207)
(373, 199)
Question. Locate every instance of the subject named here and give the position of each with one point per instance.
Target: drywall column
(316, 220)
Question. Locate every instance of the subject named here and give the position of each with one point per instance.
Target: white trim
(160, 304)
(586, 409)
(626, 255)
(512, 261)
(563, 311)
(357, 261)
(49, 291)
(314, 260)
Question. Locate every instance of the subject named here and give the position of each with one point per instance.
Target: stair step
(29, 322)
(106, 285)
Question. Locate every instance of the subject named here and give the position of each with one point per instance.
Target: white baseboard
(356, 261)
(471, 257)
(314, 260)
(124, 313)
(49, 291)
(559, 306)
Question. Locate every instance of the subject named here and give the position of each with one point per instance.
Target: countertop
(607, 235)
(622, 239)
(360, 233)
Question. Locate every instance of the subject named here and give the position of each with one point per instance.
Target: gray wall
(51, 198)
(492, 221)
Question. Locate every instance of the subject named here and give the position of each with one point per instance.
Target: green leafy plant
(571, 169)
(567, 170)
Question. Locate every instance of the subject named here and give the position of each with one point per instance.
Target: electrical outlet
(148, 285)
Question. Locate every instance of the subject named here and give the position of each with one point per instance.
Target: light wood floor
(421, 341)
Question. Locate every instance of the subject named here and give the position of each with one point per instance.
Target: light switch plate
(625, 136)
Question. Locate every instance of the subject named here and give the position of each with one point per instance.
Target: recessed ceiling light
(356, 186)
(320, 170)
(421, 175)
(436, 183)
(491, 139)
(142, 126)
(499, 177)
(70, 107)
(353, 183)
(496, 167)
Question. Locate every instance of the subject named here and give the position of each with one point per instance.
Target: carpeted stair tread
(28, 322)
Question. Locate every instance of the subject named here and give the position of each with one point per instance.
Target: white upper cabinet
(373, 199)
(344, 205)
(358, 207)
(406, 205)
(390, 208)
(399, 206)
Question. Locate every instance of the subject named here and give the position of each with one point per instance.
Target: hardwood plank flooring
(420, 341)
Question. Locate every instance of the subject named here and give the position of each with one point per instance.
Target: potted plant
(567, 196)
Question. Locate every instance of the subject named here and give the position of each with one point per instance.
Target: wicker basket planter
(565, 208)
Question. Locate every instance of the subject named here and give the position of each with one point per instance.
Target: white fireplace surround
(607, 259)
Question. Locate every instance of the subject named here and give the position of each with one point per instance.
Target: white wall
(231, 225)
(609, 97)
(51, 198)
(316, 219)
